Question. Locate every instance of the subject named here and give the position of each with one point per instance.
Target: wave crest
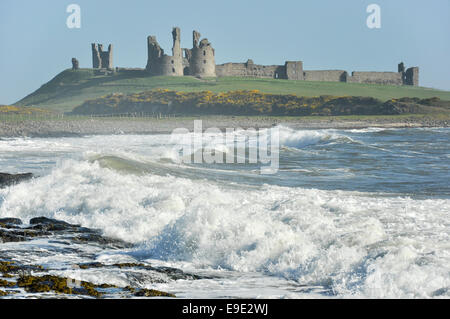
(353, 243)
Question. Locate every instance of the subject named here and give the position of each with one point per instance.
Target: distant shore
(86, 126)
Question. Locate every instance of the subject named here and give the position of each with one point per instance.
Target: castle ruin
(199, 61)
(293, 70)
(102, 59)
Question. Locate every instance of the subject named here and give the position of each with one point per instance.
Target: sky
(36, 44)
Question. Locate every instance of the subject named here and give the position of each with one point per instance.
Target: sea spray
(328, 238)
(243, 230)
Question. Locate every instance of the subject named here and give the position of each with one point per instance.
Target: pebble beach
(95, 126)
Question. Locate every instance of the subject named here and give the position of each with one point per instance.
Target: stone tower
(198, 61)
(95, 57)
(159, 63)
(412, 76)
(102, 59)
(202, 58)
(294, 70)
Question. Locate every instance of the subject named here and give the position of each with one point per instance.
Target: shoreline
(107, 126)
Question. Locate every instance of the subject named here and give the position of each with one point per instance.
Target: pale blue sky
(35, 43)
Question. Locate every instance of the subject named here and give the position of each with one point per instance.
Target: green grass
(71, 88)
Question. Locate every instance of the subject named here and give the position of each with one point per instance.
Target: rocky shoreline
(17, 277)
(22, 277)
(25, 279)
(80, 127)
(10, 179)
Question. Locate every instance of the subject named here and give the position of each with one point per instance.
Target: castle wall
(325, 75)
(231, 69)
(385, 78)
(249, 69)
(155, 52)
(186, 65)
(294, 70)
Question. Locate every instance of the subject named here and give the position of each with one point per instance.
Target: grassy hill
(71, 88)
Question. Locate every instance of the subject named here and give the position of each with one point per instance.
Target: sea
(347, 213)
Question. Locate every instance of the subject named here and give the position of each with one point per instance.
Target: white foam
(349, 243)
(355, 244)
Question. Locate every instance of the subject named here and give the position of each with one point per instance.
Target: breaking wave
(355, 244)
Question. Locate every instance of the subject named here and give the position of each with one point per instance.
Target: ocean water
(359, 213)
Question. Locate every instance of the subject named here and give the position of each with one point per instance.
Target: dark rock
(97, 238)
(91, 265)
(44, 227)
(172, 273)
(31, 279)
(11, 236)
(45, 220)
(152, 293)
(60, 285)
(11, 232)
(44, 223)
(10, 179)
(15, 234)
(7, 266)
(10, 220)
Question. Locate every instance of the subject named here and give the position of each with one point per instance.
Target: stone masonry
(102, 59)
(199, 61)
(75, 64)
